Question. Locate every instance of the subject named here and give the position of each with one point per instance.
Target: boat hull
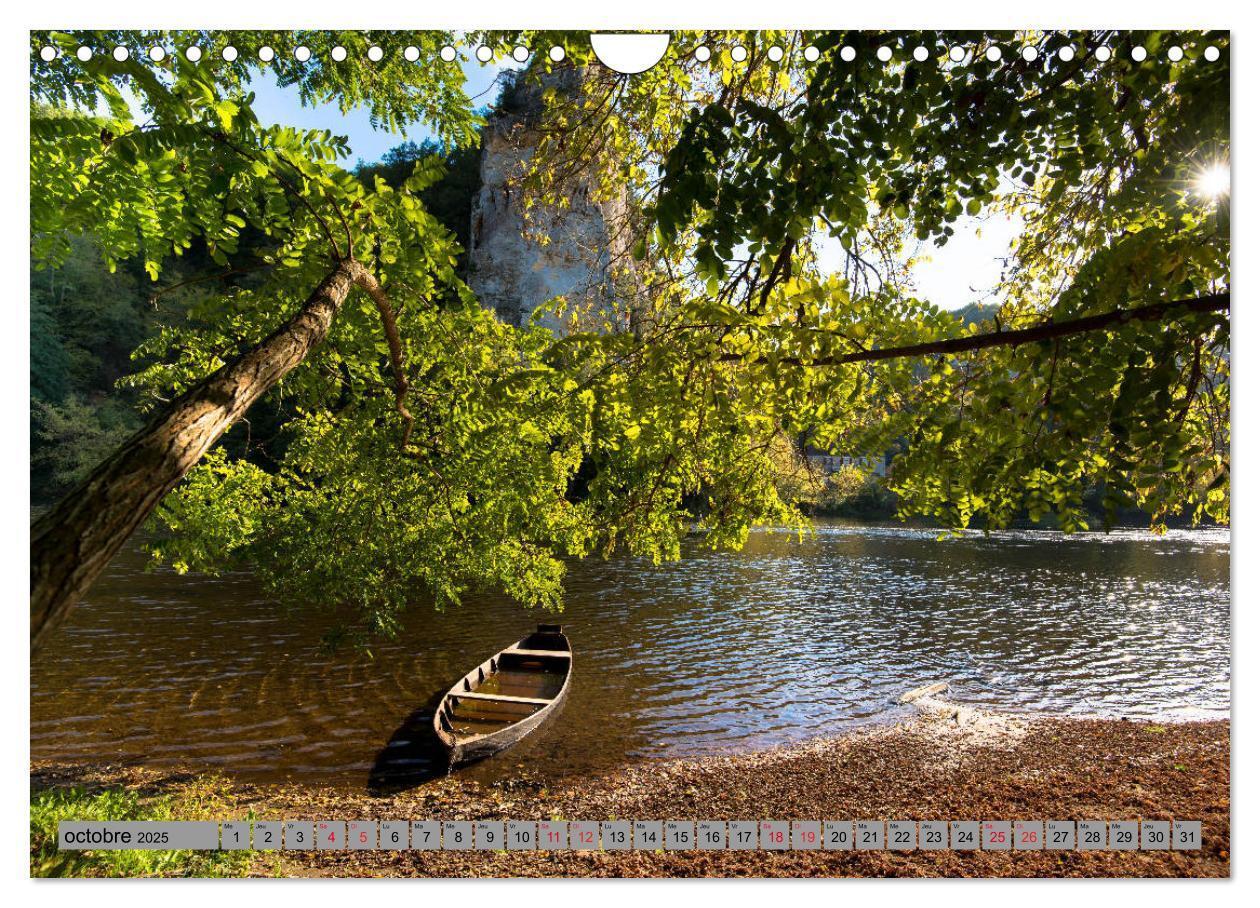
(543, 659)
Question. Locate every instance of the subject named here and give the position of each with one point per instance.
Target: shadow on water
(412, 756)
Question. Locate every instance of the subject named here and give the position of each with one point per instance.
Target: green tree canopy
(1098, 142)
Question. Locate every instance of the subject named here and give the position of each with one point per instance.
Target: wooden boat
(506, 697)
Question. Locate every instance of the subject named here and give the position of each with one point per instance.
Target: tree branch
(365, 279)
(1050, 330)
(220, 275)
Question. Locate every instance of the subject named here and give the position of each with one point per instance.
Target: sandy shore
(932, 767)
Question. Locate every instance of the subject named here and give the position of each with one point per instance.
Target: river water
(716, 653)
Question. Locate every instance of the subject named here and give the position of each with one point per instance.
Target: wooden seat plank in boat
(495, 705)
(502, 698)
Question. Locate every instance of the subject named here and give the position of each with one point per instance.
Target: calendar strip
(638, 835)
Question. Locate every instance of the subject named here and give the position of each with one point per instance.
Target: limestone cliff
(511, 269)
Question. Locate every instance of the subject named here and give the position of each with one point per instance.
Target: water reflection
(783, 641)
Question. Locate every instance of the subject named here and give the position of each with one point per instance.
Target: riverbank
(931, 767)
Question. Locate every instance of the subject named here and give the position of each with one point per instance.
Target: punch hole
(520, 53)
(485, 54)
(229, 53)
(411, 53)
(775, 54)
(811, 53)
(1212, 53)
(301, 53)
(556, 53)
(629, 53)
(47, 53)
(193, 53)
(338, 53)
(848, 54)
(957, 54)
(84, 53)
(1066, 54)
(1175, 53)
(266, 54)
(993, 53)
(375, 54)
(447, 53)
(157, 54)
(702, 54)
(121, 53)
(1029, 54)
(920, 53)
(739, 53)
(884, 54)
(1103, 54)
(1138, 53)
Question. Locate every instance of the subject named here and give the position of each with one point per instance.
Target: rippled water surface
(719, 652)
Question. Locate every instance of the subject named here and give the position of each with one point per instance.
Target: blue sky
(281, 105)
(965, 270)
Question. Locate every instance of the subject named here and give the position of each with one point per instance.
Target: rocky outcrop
(515, 266)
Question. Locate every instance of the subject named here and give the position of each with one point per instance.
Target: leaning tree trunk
(72, 543)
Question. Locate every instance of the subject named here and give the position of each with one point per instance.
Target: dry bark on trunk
(72, 543)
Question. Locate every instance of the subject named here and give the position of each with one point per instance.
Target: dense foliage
(91, 328)
(450, 199)
(750, 169)
(84, 324)
(508, 449)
